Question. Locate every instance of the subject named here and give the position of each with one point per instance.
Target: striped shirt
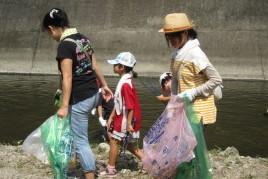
(186, 66)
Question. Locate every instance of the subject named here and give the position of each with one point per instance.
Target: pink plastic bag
(169, 142)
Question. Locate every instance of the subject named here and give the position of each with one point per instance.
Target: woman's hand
(63, 112)
(107, 93)
(188, 94)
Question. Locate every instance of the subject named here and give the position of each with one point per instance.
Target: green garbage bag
(57, 140)
(199, 167)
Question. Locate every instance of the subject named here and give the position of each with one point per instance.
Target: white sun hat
(124, 58)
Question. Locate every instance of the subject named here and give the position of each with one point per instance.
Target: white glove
(189, 94)
(102, 121)
(93, 111)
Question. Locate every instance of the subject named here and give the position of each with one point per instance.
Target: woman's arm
(66, 71)
(101, 77)
(206, 89)
(98, 71)
(214, 80)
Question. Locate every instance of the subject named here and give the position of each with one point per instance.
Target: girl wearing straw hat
(193, 76)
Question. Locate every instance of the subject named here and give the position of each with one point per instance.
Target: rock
(229, 151)
(103, 148)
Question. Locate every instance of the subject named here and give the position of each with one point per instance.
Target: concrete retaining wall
(233, 33)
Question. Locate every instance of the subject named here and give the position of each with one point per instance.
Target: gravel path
(227, 164)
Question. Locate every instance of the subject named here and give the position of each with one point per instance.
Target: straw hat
(176, 22)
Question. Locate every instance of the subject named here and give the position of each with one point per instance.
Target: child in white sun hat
(124, 122)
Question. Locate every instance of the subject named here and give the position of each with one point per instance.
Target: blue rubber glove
(189, 94)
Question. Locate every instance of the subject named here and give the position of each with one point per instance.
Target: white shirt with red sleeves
(125, 99)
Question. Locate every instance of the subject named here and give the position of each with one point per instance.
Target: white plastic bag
(33, 145)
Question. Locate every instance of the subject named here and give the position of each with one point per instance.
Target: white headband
(164, 75)
(52, 11)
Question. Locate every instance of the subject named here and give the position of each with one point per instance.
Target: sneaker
(109, 173)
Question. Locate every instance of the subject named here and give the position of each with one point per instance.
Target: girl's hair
(130, 69)
(55, 17)
(167, 78)
(192, 34)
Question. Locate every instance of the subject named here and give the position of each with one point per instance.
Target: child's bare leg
(113, 154)
(135, 150)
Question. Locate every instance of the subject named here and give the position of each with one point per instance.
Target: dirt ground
(227, 164)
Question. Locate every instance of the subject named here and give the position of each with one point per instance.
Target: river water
(27, 101)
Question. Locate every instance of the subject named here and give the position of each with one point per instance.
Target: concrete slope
(234, 34)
